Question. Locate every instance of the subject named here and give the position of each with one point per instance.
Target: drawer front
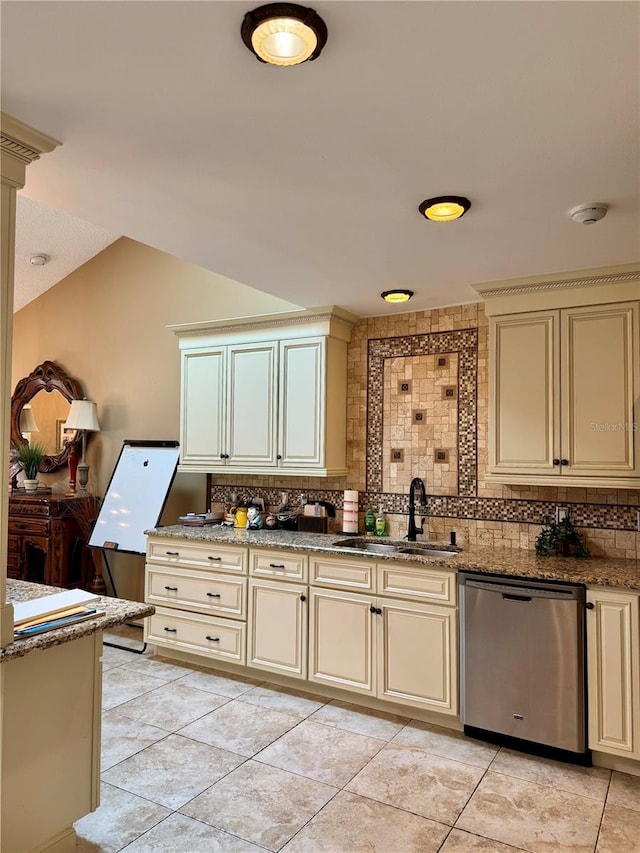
(197, 555)
(342, 574)
(278, 564)
(205, 635)
(20, 526)
(204, 592)
(423, 584)
(27, 508)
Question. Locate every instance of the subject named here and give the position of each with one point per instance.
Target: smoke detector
(587, 214)
(39, 260)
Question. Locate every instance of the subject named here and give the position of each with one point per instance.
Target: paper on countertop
(24, 611)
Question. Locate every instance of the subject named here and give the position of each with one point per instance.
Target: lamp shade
(83, 415)
(27, 421)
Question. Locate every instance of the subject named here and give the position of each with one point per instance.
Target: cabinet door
(417, 655)
(600, 366)
(277, 627)
(302, 403)
(613, 662)
(341, 641)
(202, 408)
(252, 405)
(524, 435)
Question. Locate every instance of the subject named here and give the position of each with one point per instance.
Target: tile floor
(198, 761)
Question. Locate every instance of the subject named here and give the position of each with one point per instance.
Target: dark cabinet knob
(379, 611)
(564, 461)
(556, 461)
(222, 456)
(590, 605)
(303, 597)
(372, 609)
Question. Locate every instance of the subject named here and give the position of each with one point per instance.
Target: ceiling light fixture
(445, 208)
(38, 260)
(396, 296)
(587, 214)
(284, 33)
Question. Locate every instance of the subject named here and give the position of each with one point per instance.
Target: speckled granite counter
(117, 611)
(598, 571)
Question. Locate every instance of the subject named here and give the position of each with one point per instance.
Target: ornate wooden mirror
(39, 408)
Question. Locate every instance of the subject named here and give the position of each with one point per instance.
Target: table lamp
(83, 416)
(27, 421)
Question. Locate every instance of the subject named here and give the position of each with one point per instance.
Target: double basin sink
(417, 548)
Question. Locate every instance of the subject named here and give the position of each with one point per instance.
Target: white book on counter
(49, 605)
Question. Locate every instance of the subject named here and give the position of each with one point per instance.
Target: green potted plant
(30, 455)
(560, 539)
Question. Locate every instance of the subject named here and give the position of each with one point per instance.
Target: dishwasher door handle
(508, 590)
(510, 597)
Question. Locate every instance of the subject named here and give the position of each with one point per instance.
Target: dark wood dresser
(47, 539)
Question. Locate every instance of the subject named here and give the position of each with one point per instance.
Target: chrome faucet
(416, 483)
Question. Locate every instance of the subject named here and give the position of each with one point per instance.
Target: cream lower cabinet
(613, 671)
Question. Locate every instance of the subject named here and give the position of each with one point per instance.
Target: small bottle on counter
(381, 523)
(369, 522)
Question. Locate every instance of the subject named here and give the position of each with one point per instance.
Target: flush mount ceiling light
(444, 208)
(284, 33)
(396, 296)
(38, 260)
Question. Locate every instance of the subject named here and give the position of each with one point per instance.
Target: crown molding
(519, 286)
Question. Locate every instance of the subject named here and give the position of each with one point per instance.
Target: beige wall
(105, 324)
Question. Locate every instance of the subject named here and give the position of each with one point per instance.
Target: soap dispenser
(381, 523)
(370, 522)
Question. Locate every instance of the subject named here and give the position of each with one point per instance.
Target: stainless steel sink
(415, 548)
(426, 552)
(366, 545)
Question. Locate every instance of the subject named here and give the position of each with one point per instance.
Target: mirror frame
(48, 377)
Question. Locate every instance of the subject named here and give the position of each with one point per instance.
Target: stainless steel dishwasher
(523, 662)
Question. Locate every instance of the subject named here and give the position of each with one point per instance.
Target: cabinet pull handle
(172, 588)
(214, 558)
(213, 595)
(276, 565)
(213, 639)
(172, 553)
(171, 630)
(564, 461)
(556, 461)
(303, 597)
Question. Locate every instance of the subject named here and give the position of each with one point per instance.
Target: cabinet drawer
(280, 564)
(217, 638)
(19, 526)
(206, 593)
(342, 574)
(422, 583)
(197, 555)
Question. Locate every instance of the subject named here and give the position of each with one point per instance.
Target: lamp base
(83, 479)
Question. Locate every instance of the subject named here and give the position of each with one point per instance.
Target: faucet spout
(413, 529)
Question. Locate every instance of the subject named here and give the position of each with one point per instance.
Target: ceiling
(305, 182)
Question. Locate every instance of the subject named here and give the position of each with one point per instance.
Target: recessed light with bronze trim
(284, 33)
(397, 295)
(444, 208)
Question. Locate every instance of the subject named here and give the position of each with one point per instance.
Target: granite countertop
(117, 612)
(593, 571)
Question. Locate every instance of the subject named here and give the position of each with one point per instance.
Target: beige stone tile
(114, 657)
(172, 706)
(620, 830)
(123, 737)
(362, 721)
(417, 781)
(464, 842)
(181, 833)
(240, 727)
(158, 667)
(353, 824)
(447, 743)
(261, 804)
(222, 683)
(172, 771)
(121, 818)
(533, 817)
(120, 685)
(284, 699)
(624, 791)
(321, 752)
(591, 782)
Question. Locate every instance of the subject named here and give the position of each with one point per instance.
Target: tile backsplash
(437, 362)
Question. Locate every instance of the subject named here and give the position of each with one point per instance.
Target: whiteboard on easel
(136, 495)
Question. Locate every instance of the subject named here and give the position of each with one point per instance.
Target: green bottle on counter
(370, 522)
(381, 523)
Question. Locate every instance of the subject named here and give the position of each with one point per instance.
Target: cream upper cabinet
(564, 390)
(265, 393)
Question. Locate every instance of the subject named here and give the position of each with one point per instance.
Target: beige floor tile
(261, 804)
(590, 782)
(417, 781)
(158, 667)
(172, 706)
(172, 771)
(320, 752)
(221, 683)
(180, 834)
(123, 737)
(120, 685)
(620, 830)
(464, 842)
(284, 699)
(361, 721)
(624, 791)
(114, 657)
(121, 818)
(448, 743)
(353, 824)
(241, 728)
(534, 817)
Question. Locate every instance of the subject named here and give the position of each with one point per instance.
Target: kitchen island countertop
(592, 571)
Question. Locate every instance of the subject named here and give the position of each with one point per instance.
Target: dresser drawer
(419, 583)
(216, 638)
(197, 555)
(23, 524)
(204, 592)
(342, 574)
(278, 564)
